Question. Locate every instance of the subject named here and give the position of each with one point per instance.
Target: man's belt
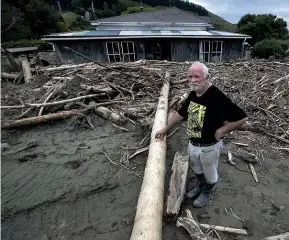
(202, 144)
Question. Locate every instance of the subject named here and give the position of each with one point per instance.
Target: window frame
(201, 52)
(128, 51)
(121, 54)
(211, 50)
(217, 52)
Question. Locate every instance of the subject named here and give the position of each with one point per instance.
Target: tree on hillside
(27, 19)
(263, 26)
(40, 25)
(13, 25)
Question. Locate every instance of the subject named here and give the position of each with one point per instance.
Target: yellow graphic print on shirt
(196, 114)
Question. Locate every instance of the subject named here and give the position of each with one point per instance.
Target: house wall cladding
(94, 49)
(184, 50)
(181, 49)
(232, 49)
(188, 49)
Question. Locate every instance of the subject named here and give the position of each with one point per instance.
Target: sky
(233, 10)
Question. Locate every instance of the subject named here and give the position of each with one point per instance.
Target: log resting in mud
(148, 219)
(283, 236)
(109, 115)
(192, 227)
(178, 180)
(41, 119)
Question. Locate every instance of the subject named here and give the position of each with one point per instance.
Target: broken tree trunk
(26, 71)
(178, 180)
(109, 115)
(41, 119)
(193, 228)
(148, 219)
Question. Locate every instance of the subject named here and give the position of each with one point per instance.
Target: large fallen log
(193, 228)
(178, 180)
(149, 213)
(41, 119)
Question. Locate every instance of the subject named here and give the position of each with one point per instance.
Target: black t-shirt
(207, 113)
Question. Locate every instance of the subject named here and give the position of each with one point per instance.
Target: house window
(211, 51)
(128, 54)
(113, 51)
(120, 51)
(217, 48)
(205, 50)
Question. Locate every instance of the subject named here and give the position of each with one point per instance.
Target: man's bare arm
(228, 127)
(173, 121)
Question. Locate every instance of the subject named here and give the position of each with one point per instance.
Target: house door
(158, 50)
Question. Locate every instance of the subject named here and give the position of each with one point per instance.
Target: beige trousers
(205, 160)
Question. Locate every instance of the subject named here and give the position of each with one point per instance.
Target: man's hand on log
(161, 133)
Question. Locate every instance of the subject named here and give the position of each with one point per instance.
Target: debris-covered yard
(74, 148)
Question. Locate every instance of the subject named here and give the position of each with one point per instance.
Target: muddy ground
(63, 187)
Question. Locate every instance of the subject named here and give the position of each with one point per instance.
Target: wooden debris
(97, 88)
(253, 172)
(177, 187)
(139, 151)
(283, 236)
(281, 79)
(56, 89)
(241, 144)
(64, 67)
(40, 119)
(109, 115)
(26, 71)
(12, 76)
(192, 227)
(52, 103)
(225, 229)
(148, 219)
(230, 159)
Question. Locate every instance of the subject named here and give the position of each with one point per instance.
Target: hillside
(221, 24)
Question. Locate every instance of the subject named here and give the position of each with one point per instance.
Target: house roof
(170, 14)
(120, 34)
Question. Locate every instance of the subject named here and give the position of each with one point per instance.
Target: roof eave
(46, 38)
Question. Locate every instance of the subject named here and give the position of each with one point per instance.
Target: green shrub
(62, 26)
(270, 47)
(24, 43)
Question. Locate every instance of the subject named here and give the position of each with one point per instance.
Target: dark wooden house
(168, 33)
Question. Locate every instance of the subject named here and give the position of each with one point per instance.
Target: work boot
(205, 195)
(194, 193)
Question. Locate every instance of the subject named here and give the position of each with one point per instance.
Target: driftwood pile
(129, 91)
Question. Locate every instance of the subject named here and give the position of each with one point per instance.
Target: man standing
(210, 115)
